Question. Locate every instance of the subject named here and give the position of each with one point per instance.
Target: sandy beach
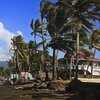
(8, 93)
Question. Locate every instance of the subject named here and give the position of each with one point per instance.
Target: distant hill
(3, 64)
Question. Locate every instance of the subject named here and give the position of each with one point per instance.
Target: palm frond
(32, 24)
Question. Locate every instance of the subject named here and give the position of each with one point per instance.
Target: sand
(8, 93)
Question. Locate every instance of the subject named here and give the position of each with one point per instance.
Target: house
(85, 64)
(25, 75)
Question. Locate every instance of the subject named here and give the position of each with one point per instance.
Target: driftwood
(57, 86)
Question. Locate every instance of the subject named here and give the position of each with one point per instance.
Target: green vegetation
(68, 26)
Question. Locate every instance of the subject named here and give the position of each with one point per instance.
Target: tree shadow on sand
(83, 90)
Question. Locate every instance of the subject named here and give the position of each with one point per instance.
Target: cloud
(5, 42)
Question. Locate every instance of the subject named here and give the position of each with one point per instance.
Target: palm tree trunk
(55, 60)
(35, 43)
(55, 63)
(14, 58)
(93, 63)
(53, 74)
(17, 61)
(14, 61)
(71, 65)
(35, 48)
(44, 62)
(70, 77)
(77, 56)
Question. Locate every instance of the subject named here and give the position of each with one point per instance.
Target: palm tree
(95, 43)
(20, 51)
(34, 28)
(65, 45)
(44, 10)
(33, 56)
(55, 18)
(38, 28)
(95, 39)
(83, 12)
(37, 59)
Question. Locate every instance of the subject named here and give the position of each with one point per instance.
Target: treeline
(65, 25)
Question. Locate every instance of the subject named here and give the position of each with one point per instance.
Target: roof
(90, 59)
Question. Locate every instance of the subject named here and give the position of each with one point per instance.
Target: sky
(15, 18)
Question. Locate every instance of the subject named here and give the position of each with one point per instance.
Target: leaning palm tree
(55, 18)
(20, 51)
(65, 45)
(45, 8)
(81, 18)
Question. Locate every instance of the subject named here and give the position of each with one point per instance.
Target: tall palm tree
(38, 28)
(55, 18)
(65, 45)
(83, 12)
(37, 59)
(44, 8)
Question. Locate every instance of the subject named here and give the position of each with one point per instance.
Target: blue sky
(15, 18)
(17, 14)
